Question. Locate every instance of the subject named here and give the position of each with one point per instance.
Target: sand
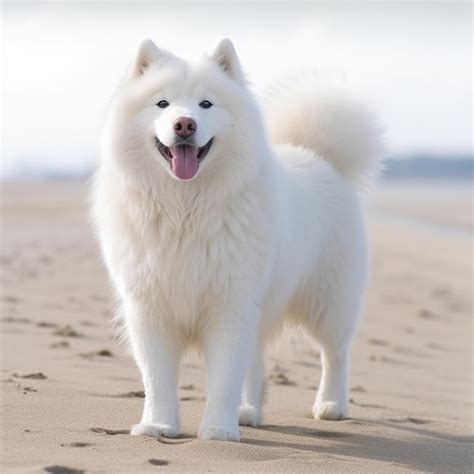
(70, 393)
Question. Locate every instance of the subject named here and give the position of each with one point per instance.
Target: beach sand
(70, 393)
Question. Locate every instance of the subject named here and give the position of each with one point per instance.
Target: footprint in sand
(10, 299)
(13, 319)
(190, 399)
(358, 388)
(417, 421)
(426, 314)
(110, 432)
(86, 323)
(441, 292)
(409, 419)
(408, 351)
(365, 405)
(278, 377)
(5, 260)
(46, 324)
(158, 462)
(78, 444)
(66, 331)
(60, 345)
(63, 470)
(384, 359)
(132, 394)
(324, 434)
(141, 394)
(31, 274)
(99, 353)
(35, 376)
(378, 342)
(45, 260)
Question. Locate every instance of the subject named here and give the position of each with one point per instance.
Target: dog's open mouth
(184, 159)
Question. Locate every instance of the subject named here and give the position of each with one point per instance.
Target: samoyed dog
(217, 227)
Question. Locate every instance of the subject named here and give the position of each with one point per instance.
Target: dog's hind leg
(331, 398)
(333, 332)
(250, 411)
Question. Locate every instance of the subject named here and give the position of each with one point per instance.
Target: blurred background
(62, 61)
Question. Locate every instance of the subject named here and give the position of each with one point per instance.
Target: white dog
(214, 234)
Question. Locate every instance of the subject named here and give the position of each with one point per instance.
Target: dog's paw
(249, 416)
(329, 411)
(154, 429)
(217, 433)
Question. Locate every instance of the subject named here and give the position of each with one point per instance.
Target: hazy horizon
(62, 61)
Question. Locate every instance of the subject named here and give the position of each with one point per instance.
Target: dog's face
(182, 115)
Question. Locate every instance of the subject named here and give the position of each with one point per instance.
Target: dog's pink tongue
(185, 161)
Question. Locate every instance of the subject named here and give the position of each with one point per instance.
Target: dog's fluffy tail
(329, 122)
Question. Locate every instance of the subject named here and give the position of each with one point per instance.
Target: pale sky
(62, 61)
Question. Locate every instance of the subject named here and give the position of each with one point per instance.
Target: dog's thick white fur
(264, 230)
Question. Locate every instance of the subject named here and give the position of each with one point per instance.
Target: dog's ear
(148, 54)
(226, 58)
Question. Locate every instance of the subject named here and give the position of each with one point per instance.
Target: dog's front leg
(227, 346)
(157, 355)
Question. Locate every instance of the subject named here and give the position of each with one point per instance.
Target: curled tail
(329, 122)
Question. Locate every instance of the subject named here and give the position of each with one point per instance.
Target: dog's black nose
(184, 127)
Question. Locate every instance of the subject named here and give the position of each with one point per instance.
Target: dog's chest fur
(192, 259)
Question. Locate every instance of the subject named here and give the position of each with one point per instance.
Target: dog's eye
(205, 104)
(162, 104)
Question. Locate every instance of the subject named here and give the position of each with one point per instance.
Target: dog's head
(180, 116)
